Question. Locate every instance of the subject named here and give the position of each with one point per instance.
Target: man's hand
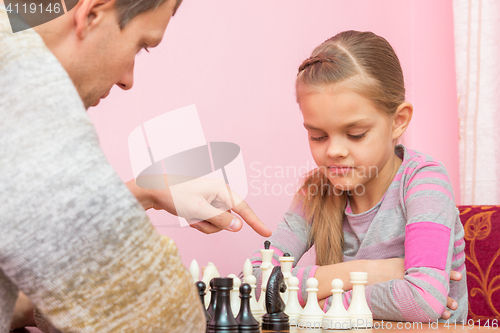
(23, 313)
(205, 203)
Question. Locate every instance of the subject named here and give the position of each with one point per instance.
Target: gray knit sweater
(72, 237)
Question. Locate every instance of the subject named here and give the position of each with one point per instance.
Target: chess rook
(223, 319)
(361, 316)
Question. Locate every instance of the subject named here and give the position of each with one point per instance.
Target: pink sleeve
(431, 216)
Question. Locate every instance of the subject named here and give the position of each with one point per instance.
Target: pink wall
(237, 60)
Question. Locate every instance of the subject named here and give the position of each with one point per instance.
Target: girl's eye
(317, 138)
(356, 137)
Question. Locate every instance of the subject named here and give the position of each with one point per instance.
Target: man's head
(98, 40)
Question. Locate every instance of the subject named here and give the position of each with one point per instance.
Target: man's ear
(401, 119)
(89, 13)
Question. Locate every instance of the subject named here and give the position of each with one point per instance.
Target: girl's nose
(337, 149)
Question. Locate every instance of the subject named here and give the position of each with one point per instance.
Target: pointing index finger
(251, 219)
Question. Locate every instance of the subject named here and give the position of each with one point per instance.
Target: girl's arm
(378, 271)
(291, 237)
(433, 247)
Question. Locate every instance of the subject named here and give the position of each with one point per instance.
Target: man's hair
(128, 9)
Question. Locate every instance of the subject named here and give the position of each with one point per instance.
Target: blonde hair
(367, 64)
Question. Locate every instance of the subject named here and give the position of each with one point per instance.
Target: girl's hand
(379, 271)
(395, 267)
(451, 303)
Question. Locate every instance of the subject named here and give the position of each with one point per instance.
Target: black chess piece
(286, 254)
(223, 318)
(267, 244)
(213, 299)
(275, 320)
(201, 291)
(246, 321)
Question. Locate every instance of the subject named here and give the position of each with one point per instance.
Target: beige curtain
(477, 44)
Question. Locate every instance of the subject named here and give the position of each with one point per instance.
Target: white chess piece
(267, 267)
(247, 269)
(293, 308)
(194, 269)
(266, 273)
(361, 316)
(209, 273)
(267, 256)
(257, 310)
(286, 268)
(311, 318)
(235, 295)
(337, 317)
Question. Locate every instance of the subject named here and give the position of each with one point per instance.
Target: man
(73, 238)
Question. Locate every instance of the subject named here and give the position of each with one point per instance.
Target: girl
(371, 201)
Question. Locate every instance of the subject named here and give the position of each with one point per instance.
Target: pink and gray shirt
(416, 220)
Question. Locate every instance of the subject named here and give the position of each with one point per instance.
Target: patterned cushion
(482, 249)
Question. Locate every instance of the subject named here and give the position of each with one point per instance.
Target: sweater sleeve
(430, 220)
(73, 238)
(290, 237)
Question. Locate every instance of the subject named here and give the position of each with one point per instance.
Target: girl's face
(351, 141)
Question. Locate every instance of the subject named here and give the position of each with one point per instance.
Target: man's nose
(127, 81)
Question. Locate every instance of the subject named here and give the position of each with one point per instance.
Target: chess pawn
(201, 291)
(223, 319)
(213, 299)
(246, 321)
(194, 269)
(337, 317)
(255, 307)
(235, 294)
(311, 317)
(286, 267)
(361, 316)
(293, 308)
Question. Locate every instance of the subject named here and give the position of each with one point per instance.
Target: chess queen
(371, 205)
